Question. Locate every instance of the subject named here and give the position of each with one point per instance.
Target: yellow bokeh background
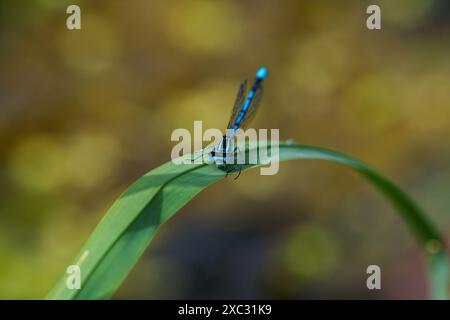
(83, 113)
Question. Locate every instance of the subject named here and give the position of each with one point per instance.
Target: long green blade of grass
(130, 224)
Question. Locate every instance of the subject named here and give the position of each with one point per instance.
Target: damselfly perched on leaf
(243, 110)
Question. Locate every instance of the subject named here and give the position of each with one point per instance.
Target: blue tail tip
(262, 73)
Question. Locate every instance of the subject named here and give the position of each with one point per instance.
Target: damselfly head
(209, 158)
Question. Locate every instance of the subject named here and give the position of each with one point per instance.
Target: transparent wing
(252, 108)
(240, 98)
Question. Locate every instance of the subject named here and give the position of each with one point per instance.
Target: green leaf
(126, 230)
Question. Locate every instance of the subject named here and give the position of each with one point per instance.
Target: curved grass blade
(130, 224)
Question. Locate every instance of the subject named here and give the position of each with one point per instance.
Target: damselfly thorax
(224, 152)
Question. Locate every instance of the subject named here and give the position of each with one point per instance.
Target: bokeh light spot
(310, 252)
(406, 13)
(92, 158)
(369, 98)
(318, 63)
(92, 49)
(211, 27)
(38, 164)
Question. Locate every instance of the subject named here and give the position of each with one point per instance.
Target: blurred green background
(85, 113)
